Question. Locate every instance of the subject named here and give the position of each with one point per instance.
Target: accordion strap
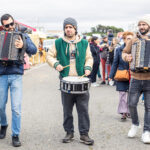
(22, 51)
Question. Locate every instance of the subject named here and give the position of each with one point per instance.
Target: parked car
(47, 44)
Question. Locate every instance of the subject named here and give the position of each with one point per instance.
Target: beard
(145, 31)
(69, 36)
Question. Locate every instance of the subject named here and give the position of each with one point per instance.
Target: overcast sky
(88, 13)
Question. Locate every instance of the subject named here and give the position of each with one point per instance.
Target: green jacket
(63, 56)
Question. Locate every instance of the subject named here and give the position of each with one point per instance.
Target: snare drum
(75, 85)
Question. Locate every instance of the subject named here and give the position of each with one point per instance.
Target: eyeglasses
(10, 24)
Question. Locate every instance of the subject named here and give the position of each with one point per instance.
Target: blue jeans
(137, 87)
(14, 82)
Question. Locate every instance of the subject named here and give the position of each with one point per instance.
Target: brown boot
(86, 140)
(68, 138)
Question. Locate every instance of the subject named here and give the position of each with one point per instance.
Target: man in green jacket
(73, 51)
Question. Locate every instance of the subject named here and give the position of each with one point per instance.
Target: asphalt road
(42, 117)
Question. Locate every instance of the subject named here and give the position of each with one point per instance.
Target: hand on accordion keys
(19, 43)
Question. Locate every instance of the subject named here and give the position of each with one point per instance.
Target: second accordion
(140, 56)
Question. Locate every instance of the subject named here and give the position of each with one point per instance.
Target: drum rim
(78, 82)
(75, 82)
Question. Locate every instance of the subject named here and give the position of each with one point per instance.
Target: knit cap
(145, 19)
(71, 21)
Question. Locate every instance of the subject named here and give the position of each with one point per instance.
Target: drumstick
(82, 76)
(66, 66)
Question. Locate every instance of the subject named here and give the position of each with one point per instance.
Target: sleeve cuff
(87, 68)
(56, 64)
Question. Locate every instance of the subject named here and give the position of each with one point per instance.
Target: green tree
(101, 29)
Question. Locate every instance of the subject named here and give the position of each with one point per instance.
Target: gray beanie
(71, 21)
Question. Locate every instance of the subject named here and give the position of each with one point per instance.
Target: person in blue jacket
(121, 86)
(11, 77)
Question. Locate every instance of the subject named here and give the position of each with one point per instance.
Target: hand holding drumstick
(87, 73)
(60, 67)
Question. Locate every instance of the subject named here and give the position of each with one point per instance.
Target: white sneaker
(94, 84)
(133, 130)
(146, 137)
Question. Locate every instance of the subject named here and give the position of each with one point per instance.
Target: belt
(6, 64)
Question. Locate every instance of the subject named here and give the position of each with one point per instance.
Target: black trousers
(94, 72)
(81, 101)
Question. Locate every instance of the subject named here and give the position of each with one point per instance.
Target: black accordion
(140, 56)
(8, 51)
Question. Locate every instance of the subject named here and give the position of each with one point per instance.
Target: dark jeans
(81, 101)
(137, 87)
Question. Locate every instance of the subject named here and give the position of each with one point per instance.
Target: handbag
(122, 75)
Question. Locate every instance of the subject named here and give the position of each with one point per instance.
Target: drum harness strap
(75, 47)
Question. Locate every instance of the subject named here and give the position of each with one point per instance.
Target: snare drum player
(74, 51)
(140, 83)
(11, 77)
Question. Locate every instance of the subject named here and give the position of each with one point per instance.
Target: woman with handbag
(120, 72)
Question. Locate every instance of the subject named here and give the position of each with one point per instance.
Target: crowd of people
(108, 52)
(103, 55)
(73, 56)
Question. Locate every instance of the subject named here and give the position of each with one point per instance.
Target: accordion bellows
(141, 56)
(8, 51)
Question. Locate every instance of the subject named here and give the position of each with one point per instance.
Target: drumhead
(76, 79)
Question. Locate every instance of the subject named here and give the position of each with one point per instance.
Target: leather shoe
(3, 131)
(15, 141)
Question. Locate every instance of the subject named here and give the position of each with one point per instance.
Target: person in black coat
(121, 86)
(95, 50)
